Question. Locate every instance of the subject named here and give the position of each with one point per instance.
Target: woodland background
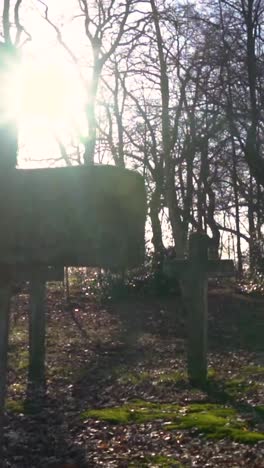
(173, 89)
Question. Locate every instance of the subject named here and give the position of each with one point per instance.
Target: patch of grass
(212, 420)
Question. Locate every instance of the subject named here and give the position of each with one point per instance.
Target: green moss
(216, 410)
(237, 386)
(217, 428)
(246, 437)
(23, 359)
(211, 374)
(15, 406)
(18, 335)
(260, 410)
(19, 359)
(171, 377)
(111, 415)
(59, 371)
(217, 423)
(157, 377)
(253, 370)
(136, 412)
(235, 382)
(154, 408)
(206, 422)
(212, 420)
(23, 406)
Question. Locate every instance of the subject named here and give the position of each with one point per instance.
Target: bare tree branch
(19, 28)
(63, 43)
(6, 21)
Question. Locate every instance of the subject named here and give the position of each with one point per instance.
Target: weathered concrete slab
(76, 216)
(43, 273)
(175, 268)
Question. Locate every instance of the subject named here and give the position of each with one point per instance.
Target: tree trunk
(252, 154)
(175, 216)
(170, 191)
(210, 211)
(156, 229)
(90, 143)
(188, 200)
(236, 196)
(252, 231)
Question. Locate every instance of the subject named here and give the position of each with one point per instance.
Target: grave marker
(72, 216)
(194, 273)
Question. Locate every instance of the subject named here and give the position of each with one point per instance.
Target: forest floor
(117, 391)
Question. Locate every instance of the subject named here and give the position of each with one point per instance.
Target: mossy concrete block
(72, 216)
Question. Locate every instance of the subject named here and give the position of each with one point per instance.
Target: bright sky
(45, 93)
(48, 101)
(48, 97)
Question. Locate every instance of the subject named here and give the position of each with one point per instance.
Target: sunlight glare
(44, 94)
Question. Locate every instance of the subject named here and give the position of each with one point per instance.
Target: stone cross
(194, 273)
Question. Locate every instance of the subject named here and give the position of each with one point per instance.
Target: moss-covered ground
(212, 420)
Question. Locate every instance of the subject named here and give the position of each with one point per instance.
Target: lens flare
(40, 93)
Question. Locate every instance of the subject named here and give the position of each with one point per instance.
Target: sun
(42, 94)
(46, 100)
(42, 91)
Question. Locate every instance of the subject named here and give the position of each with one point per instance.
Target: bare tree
(104, 24)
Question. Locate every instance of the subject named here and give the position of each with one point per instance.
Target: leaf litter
(134, 353)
